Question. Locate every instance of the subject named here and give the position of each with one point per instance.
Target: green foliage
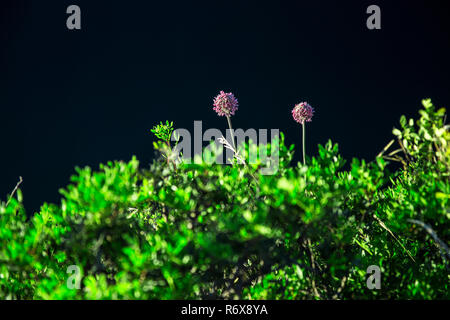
(201, 230)
(163, 131)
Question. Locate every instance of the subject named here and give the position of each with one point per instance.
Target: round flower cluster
(302, 112)
(225, 104)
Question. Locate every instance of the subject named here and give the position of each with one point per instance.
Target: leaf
(403, 121)
(396, 132)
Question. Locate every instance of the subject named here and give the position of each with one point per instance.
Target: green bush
(198, 231)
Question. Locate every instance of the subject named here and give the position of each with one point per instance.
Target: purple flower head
(225, 104)
(302, 112)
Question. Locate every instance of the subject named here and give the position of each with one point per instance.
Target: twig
(339, 290)
(386, 148)
(313, 263)
(441, 244)
(392, 234)
(395, 152)
(14, 191)
(227, 145)
(404, 150)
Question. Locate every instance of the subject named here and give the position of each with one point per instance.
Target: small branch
(386, 148)
(395, 152)
(404, 150)
(14, 191)
(441, 244)
(227, 145)
(397, 159)
(392, 234)
(313, 263)
(339, 290)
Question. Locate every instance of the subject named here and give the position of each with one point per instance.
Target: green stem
(232, 134)
(235, 150)
(303, 138)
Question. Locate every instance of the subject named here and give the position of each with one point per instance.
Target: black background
(163, 309)
(71, 98)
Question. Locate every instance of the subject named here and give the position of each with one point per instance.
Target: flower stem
(236, 151)
(231, 130)
(303, 138)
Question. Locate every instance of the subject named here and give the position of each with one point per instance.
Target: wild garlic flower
(225, 104)
(302, 112)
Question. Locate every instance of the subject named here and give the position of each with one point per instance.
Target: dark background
(76, 98)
